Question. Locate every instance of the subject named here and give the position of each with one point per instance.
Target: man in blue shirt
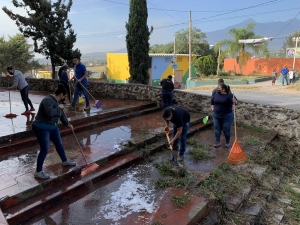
(80, 77)
(284, 71)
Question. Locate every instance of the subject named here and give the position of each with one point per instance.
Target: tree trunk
(53, 68)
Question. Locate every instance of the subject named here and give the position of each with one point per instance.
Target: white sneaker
(41, 175)
(68, 163)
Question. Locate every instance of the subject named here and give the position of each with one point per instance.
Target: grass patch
(259, 129)
(199, 152)
(175, 176)
(294, 196)
(251, 140)
(181, 201)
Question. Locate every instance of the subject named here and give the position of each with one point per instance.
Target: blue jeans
(182, 138)
(167, 99)
(79, 88)
(44, 137)
(222, 123)
(25, 99)
(284, 77)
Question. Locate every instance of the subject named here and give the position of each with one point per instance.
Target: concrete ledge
(2, 219)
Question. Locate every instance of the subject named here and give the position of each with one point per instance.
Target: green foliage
(259, 129)
(47, 24)
(289, 42)
(199, 45)
(251, 140)
(223, 74)
(181, 201)
(233, 47)
(16, 52)
(206, 65)
(137, 41)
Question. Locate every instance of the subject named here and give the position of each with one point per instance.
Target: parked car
(177, 85)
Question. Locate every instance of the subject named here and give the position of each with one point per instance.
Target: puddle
(129, 199)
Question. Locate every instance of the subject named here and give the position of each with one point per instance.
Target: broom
(98, 103)
(88, 167)
(236, 155)
(173, 161)
(10, 115)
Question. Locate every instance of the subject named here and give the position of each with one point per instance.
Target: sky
(100, 24)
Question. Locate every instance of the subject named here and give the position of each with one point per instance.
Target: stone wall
(285, 121)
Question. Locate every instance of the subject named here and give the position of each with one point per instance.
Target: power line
(166, 26)
(287, 24)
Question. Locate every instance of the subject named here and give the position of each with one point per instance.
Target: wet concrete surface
(23, 122)
(130, 196)
(126, 198)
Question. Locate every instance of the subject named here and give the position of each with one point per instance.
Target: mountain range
(277, 29)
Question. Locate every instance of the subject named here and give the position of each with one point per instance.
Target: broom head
(237, 155)
(98, 104)
(11, 115)
(89, 168)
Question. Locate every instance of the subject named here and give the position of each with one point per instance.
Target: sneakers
(68, 163)
(32, 109)
(180, 158)
(216, 145)
(227, 145)
(87, 107)
(41, 175)
(26, 113)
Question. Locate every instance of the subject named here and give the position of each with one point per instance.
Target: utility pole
(218, 61)
(190, 46)
(295, 39)
(174, 59)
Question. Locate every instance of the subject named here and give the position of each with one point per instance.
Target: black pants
(25, 99)
(68, 89)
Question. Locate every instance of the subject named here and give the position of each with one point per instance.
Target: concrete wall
(285, 121)
(262, 66)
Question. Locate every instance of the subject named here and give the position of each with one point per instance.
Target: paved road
(263, 93)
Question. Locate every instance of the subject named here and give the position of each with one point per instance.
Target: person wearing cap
(64, 79)
(181, 122)
(21, 84)
(167, 91)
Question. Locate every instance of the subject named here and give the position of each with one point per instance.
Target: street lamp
(295, 52)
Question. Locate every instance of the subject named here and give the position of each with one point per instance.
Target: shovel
(173, 160)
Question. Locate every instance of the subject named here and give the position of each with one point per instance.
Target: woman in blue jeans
(221, 106)
(45, 127)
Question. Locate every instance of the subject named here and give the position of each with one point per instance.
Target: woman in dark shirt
(64, 79)
(221, 106)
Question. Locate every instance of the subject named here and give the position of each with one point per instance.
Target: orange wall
(262, 66)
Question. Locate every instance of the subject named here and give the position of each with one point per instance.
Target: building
(160, 66)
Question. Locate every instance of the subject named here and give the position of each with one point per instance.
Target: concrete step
(47, 194)
(27, 138)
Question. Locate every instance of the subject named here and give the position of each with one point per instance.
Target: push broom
(10, 115)
(98, 103)
(88, 167)
(236, 155)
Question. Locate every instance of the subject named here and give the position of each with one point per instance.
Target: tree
(16, 52)
(235, 49)
(289, 42)
(137, 41)
(206, 65)
(48, 26)
(199, 45)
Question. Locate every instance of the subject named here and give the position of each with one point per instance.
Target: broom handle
(234, 119)
(9, 101)
(167, 134)
(85, 89)
(75, 138)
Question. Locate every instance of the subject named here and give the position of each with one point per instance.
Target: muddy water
(127, 198)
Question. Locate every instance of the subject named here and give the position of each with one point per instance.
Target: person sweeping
(45, 127)
(21, 84)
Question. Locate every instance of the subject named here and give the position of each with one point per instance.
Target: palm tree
(235, 49)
